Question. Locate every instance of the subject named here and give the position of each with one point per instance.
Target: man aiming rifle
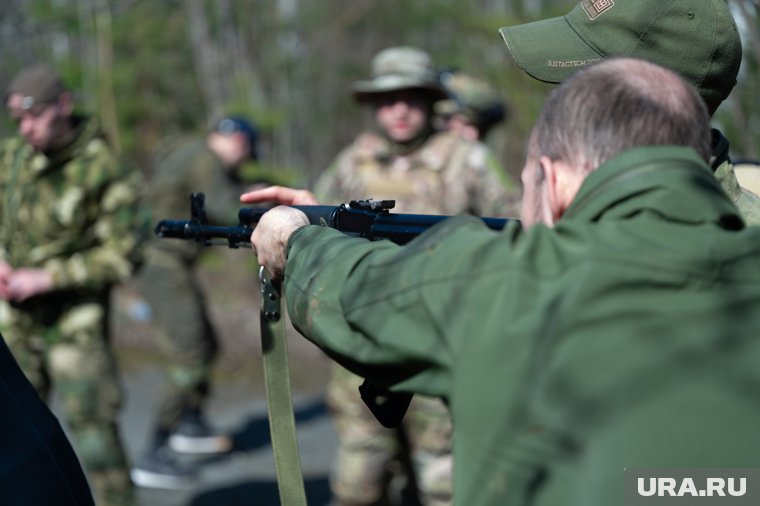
(616, 328)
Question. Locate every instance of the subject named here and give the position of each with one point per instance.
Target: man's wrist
(293, 237)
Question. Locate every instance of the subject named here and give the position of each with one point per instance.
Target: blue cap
(235, 124)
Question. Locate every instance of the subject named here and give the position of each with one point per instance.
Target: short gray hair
(616, 105)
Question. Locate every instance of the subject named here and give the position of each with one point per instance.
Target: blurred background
(151, 69)
(155, 69)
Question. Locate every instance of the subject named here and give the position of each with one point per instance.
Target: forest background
(153, 69)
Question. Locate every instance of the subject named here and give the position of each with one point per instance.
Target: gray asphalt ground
(246, 476)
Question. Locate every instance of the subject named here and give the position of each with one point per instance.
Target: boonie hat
(475, 99)
(400, 68)
(696, 38)
(233, 125)
(38, 84)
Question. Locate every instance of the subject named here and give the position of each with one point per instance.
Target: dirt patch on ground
(233, 293)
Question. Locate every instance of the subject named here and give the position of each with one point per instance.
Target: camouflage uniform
(446, 175)
(747, 202)
(74, 214)
(167, 280)
(473, 100)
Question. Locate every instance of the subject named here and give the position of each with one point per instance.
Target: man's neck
(64, 138)
(410, 146)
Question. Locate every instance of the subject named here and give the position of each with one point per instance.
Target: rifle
(370, 219)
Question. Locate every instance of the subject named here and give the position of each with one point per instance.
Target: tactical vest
(427, 180)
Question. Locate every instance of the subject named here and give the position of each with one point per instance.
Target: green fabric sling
(279, 396)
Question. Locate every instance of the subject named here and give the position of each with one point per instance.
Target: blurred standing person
(426, 171)
(71, 230)
(473, 108)
(168, 283)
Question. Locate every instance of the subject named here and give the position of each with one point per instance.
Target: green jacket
(625, 336)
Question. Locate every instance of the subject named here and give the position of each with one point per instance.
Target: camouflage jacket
(73, 213)
(446, 175)
(747, 202)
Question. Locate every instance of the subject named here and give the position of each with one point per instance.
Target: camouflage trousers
(184, 333)
(67, 349)
(371, 456)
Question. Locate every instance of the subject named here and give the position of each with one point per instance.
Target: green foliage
(290, 70)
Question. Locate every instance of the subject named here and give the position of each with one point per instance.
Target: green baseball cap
(696, 38)
(38, 84)
(400, 68)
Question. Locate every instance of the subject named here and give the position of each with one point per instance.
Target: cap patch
(595, 8)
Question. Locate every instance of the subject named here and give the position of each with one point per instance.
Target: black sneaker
(159, 469)
(193, 435)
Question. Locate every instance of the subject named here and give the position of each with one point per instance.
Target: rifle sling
(279, 396)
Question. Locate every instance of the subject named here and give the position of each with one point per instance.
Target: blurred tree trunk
(104, 52)
(175, 66)
(208, 71)
(87, 55)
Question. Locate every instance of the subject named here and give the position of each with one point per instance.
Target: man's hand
(24, 283)
(282, 195)
(270, 237)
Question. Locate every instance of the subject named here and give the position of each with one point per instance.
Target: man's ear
(551, 199)
(66, 103)
(562, 182)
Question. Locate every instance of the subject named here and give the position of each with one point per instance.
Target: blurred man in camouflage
(698, 39)
(473, 108)
(168, 283)
(425, 171)
(70, 231)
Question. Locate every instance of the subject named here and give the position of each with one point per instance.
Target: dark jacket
(38, 465)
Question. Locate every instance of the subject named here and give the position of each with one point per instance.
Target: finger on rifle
(281, 195)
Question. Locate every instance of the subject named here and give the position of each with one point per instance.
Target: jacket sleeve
(380, 309)
(318, 292)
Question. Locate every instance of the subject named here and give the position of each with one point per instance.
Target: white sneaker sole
(148, 479)
(200, 445)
